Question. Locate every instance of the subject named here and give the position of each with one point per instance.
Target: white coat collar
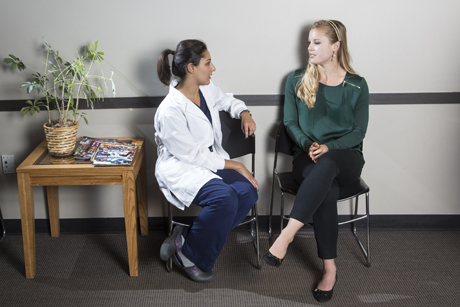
(188, 105)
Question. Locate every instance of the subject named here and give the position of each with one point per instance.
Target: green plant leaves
(64, 85)
(14, 62)
(32, 107)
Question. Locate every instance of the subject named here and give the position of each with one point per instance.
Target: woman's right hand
(316, 151)
(313, 147)
(240, 168)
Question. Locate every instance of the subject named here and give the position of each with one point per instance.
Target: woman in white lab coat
(192, 166)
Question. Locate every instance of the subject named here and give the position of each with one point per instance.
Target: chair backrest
(283, 143)
(233, 140)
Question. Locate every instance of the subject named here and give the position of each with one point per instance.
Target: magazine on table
(87, 148)
(114, 154)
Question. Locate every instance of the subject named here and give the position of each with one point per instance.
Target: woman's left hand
(248, 125)
(318, 152)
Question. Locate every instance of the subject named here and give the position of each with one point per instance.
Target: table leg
(26, 204)
(53, 210)
(141, 183)
(129, 204)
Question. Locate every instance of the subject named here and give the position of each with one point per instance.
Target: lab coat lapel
(194, 110)
(189, 106)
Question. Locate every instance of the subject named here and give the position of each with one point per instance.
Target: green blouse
(338, 120)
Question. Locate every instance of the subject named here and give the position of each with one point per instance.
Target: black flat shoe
(172, 244)
(324, 296)
(272, 260)
(195, 273)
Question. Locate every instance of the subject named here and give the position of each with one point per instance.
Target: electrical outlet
(8, 164)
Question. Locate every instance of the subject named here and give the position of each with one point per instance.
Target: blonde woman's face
(320, 49)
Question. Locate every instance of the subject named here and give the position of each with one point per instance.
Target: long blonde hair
(308, 85)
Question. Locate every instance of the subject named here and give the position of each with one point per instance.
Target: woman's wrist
(245, 112)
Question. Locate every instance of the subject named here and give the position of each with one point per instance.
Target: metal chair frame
(231, 136)
(287, 184)
(2, 224)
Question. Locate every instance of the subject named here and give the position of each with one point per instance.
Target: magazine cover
(87, 147)
(82, 146)
(114, 154)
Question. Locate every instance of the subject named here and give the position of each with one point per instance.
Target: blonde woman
(326, 112)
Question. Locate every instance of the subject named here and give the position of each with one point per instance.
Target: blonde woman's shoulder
(298, 73)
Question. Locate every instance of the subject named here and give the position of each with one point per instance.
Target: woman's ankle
(280, 246)
(329, 267)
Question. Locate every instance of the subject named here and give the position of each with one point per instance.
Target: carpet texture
(408, 269)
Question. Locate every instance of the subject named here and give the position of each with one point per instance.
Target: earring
(333, 56)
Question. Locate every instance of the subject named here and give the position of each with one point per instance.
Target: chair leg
(2, 223)
(282, 212)
(170, 219)
(255, 234)
(270, 229)
(366, 251)
(353, 225)
(171, 224)
(368, 231)
(170, 227)
(259, 259)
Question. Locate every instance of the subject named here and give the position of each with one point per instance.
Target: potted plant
(63, 85)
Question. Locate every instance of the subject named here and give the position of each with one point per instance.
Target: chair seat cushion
(352, 190)
(287, 183)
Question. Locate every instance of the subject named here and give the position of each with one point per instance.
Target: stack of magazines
(105, 151)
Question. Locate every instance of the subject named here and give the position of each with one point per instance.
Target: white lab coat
(183, 136)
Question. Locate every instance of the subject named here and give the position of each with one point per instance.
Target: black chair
(287, 184)
(2, 225)
(236, 145)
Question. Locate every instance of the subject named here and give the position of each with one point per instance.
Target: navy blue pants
(319, 191)
(225, 204)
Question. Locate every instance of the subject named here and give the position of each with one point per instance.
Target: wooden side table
(39, 169)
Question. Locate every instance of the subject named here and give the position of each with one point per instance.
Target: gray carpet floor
(408, 269)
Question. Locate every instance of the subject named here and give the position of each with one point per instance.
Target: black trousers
(317, 197)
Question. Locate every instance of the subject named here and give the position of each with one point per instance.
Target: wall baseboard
(159, 224)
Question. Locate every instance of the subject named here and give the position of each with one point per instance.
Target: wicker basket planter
(61, 141)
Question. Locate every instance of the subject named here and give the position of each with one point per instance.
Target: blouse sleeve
(361, 119)
(291, 116)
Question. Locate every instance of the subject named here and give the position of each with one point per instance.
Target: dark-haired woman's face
(202, 73)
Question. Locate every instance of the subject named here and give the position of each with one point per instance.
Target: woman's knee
(327, 159)
(227, 200)
(248, 193)
(328, 163)
(252, 193)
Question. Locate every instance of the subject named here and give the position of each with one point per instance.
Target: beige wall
(411, 150)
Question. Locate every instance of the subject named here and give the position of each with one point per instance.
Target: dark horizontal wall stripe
(117, 225)
(415, 98)
(254, 100)
(108, 103)
(262, 100)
